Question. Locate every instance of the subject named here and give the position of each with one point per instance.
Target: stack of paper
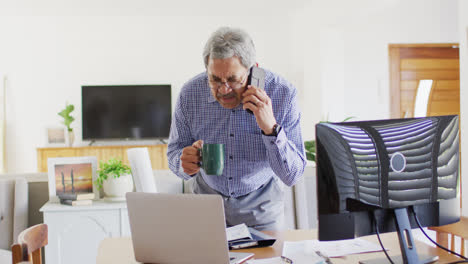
(344, 247)
(305, 251)
(299, 252)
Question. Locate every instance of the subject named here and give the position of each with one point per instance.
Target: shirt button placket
(230, 142)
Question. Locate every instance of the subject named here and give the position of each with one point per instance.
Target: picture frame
(68, 174)
(56, 136)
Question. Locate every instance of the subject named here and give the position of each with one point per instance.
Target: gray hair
(227, 42)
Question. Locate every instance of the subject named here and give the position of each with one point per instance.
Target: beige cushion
(13, 210)
(5, 256)
(20, 212)
(7, 194)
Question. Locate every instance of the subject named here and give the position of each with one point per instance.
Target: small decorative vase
(71, 138)
(116, 188)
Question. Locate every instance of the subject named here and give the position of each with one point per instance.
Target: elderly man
(261, 148)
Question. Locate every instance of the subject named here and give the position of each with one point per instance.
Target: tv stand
(157, 154)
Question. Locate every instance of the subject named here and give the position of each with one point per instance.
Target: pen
(326, 258)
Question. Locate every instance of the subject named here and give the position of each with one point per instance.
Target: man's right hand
(190, 158)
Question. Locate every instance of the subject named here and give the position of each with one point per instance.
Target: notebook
(179, 228)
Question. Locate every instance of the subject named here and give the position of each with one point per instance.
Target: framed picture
(73, 174)
(56, 136)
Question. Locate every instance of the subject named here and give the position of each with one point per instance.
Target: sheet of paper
(237, 232)
(343, 247)
(142, 171)
(301, 252)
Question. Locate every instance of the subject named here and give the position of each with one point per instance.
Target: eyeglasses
(286, 260)
(231, 84)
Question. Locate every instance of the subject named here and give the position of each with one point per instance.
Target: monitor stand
(409, 255)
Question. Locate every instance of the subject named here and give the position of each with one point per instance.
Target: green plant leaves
(67, 118)
(114, 167)
(310, 149)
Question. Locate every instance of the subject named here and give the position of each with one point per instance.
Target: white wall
(335, 52)
(48, 58)
(463, 34)
(354, 42)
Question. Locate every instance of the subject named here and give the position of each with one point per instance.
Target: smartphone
(256, 78)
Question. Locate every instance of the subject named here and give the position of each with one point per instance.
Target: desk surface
(120, 250)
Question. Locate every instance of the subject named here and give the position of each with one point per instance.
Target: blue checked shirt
(251, 157)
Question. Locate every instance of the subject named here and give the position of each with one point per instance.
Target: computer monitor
(385, 171)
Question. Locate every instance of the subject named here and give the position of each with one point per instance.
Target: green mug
(212, 158)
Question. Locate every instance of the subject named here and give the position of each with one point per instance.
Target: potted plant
(67, 120)
(309, 145)
(115, 179)
(310, 150)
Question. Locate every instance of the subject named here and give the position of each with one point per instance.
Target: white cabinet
(76, 231)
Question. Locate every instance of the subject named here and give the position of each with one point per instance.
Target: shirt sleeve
(285, 151)
(179, 138)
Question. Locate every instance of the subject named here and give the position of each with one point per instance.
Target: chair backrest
(452, 231)
(30, 242)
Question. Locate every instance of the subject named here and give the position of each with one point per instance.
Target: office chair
(458, 229)
(30, 242)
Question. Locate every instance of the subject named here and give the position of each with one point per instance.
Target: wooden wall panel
(442, 108)
(430, 74)
(429, 52)
(410, 85)
(448, 85)
(444, 98)
(410, 63)
(158, 157)
(429, 64)
(407, 95)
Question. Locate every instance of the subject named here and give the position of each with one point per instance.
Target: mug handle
(200, 152)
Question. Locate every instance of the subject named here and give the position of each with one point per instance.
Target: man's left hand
(257, 101)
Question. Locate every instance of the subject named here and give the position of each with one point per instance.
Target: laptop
(179, 228)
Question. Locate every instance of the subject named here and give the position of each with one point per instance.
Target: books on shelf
(76, 196)
(76, 199)
(76, 202)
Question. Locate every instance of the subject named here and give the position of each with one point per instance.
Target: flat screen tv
(126, 111)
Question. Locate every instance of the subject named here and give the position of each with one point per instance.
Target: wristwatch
(276, 130)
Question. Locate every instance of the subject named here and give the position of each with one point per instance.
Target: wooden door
(410, 63)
